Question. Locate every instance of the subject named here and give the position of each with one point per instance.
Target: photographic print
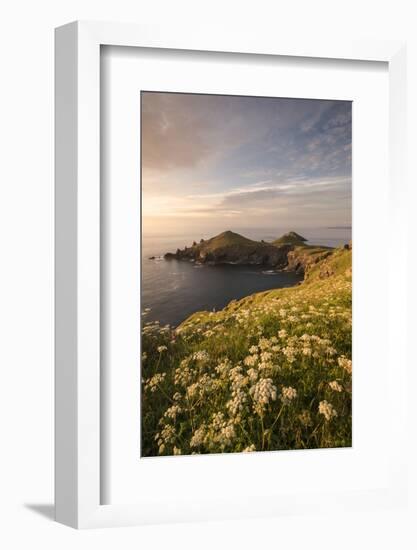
(246, 274)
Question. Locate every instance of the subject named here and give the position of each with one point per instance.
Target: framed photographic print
(230, 361)
(224, 347)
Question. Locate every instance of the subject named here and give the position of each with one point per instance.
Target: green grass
(271, 371)
(225, 239)
(290, 238)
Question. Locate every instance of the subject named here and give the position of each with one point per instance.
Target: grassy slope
(229, 242)
(340, 262)
(290, 238)
(223, 381)
(227, 238)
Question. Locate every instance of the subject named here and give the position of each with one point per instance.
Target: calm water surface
(174, 289)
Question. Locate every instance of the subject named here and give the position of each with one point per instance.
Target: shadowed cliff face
(301, 258)
(232, 248)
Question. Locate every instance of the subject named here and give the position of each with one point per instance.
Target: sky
(211, 163)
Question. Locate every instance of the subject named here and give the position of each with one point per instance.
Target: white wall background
(26, 268)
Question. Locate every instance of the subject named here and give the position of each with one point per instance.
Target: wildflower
(327, 410)
(183, 375)
(345, 363)
(166, 436)
(172, 412)
(290, 353)
(198, 437)
(153, 382)
(200, 356)
(250, 360)
(161, 349)
(335, 386)
(193, 389)
(221, 432)
(264, 343)
(249, 449)
(253, 349)
(263, 391)
(227, 434)
(266, 356)
(223, 367)
(237, 403)
(288, 394)
(253, 375)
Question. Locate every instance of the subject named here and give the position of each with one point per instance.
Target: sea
(173, 289)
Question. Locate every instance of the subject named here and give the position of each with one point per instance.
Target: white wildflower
(250, 360)
(264, 343)
(263, 391)
(345, 363)
(288, 394)
(327, 410)
(335, 386)
(172, 412)
(198, 437)
(200, 356)
(152, 383)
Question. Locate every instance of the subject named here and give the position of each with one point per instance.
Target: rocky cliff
(301, 258)
(288, 252)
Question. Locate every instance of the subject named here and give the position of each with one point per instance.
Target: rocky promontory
(290, 252)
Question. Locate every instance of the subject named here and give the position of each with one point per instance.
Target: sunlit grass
(272, 371)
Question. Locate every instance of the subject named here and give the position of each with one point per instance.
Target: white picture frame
(78, 406)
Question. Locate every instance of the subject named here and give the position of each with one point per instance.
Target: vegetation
(272, 371)
(290, 238)
(225, 239)
(288, 252)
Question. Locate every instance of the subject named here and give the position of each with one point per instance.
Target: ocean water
(174, 289)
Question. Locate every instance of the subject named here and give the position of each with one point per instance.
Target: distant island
(288, 252)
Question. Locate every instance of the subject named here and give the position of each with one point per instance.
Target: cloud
(246, 158)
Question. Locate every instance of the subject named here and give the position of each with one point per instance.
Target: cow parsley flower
(250, 360)
(345, 363)
(327, 410)
(288, 394)
(335, 386)
(263, 391)
(198, 437)
(201, 356)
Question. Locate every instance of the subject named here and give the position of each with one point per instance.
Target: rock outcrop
(302, 258)
(231, 248)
